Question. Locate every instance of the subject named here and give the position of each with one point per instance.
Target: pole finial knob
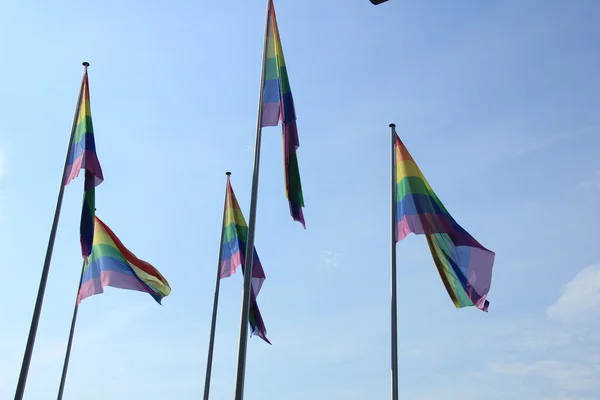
(228, 173)
(392, 125)
(85, 64)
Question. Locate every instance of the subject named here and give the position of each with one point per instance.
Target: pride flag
(233, 243)
(82, 155)
(112, 264)
(278, 104)
(464, 265)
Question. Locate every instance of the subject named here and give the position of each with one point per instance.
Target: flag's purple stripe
(471, 266)
(291, 140)
(471, 262)
(84, 158)
(257, 324)
(230, 264)
(233, 256)
(428, 223)
(290, 145)
(116, 279)
(270, 114)
(296, 213)
(289, 111)
(228, 267)
(442, 250)
(478, 264)
(86, 143)
(430, 218)
(88, 161)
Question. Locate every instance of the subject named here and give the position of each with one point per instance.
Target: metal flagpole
(394, 304)
(63, 377)
(243, 340)
(213, 324)
(44, 278)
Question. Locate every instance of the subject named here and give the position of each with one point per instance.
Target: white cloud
(580, 297)
(534, 339)
(559, 353)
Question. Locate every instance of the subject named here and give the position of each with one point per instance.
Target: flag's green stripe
(89, 197)
(412, 185)
(441, 247)
(285, 83)
(271, 71)
(82, 128)
(295, 185)
(232, 231)
(105, 250)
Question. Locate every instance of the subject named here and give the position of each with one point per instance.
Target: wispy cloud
(533, 339)
(563, 348)
(579, 298)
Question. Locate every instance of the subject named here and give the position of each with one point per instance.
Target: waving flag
(82, 155)
(112, 264)
(464, 265)
(278, 104)
(233, 243)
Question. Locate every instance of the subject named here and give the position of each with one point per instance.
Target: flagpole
(63, 377)
(394, 305)
(213, 324)
(243, 339)
(46, 269)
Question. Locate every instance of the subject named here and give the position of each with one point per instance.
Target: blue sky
(497, 102)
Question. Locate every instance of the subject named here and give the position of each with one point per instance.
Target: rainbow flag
(233, 244)
(112, 264)
(278, 104)
(82, 155)
(464, 265)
